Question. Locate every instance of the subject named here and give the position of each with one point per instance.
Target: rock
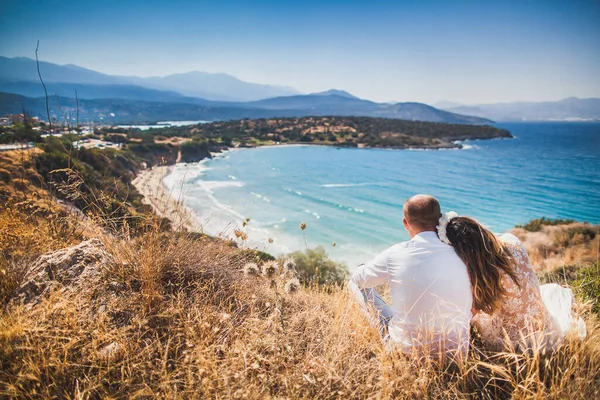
(65, 270)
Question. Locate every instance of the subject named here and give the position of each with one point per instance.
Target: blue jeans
(375, 309)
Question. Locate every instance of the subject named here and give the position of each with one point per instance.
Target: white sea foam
(212, 185)
(334, 185)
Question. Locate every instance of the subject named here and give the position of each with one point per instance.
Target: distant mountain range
(570, 109)
(194, 84)
(124, 111)
(190, 96)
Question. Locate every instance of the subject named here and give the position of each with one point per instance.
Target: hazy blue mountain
(315, 101)
(571, 108)
(209, 86)
(335, 92)
(333, 104)
(96, 91)
(22, 69)
(196, 84)
(178, 96)
(423, 112)
(139, 111)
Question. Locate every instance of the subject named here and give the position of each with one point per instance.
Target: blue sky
(465, 51)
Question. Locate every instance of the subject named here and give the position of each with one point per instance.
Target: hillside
(338, 131)
(92, 309)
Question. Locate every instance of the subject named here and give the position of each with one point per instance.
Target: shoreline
(150, 184)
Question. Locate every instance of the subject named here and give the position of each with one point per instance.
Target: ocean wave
(259, 196)
(274, 224)
(209, 186)
(334, 185)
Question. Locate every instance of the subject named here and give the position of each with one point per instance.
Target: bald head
(422, 212)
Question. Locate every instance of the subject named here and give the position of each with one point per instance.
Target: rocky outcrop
(64, 270)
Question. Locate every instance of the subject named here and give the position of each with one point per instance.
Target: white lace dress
(532, 315)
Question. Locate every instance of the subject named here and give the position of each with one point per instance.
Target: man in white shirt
(429, 286)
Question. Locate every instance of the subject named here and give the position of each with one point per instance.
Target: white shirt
(430, 291)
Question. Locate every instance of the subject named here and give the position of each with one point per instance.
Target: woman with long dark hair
(511, 310)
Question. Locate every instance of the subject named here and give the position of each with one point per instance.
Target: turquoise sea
(354, 197)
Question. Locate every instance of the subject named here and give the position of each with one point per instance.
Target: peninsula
(360, 132)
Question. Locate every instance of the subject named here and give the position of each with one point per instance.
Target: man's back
(430, 291)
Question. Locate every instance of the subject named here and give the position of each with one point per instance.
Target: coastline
(169, 203)
(150, 184)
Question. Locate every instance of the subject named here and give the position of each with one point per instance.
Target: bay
(354, 197)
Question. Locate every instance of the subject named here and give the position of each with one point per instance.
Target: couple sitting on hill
(454, 273)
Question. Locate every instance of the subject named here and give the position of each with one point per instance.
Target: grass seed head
(289, 265)
(292, 285)
(251, 269)
(270, 268)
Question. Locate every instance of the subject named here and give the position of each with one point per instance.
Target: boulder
(66, 270)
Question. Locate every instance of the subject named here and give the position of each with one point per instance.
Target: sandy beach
(150, 184)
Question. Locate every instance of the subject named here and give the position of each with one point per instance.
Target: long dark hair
(485, 257)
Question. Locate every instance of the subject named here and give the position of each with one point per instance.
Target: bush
(535, 225)
(194, 151)
(588, 285)
(585, 281)
(314, 266)
(116, 138)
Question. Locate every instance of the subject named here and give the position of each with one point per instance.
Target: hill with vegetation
(102, 299)
(336, 131)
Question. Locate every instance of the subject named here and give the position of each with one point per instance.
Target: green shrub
(535, 225)
(194, 151)
(585, 282)
(314, 266)
(588, 285)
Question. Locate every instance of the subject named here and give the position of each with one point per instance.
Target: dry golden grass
(20, 182)
(173, 316)
(554, 246)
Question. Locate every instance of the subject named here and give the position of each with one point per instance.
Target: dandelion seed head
(289, 265)
(251, 269)
(270, 268)
(292, 285)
